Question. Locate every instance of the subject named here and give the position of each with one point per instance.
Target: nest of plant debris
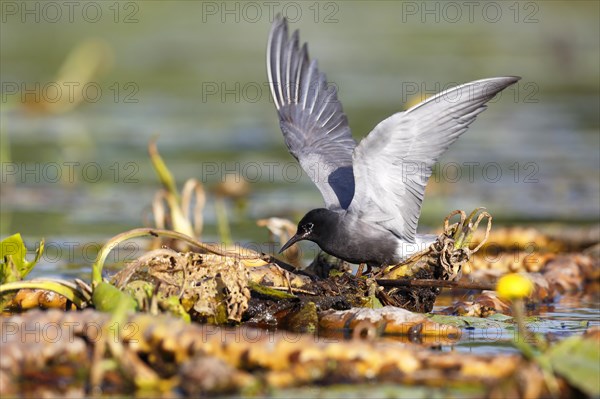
(225, 287)
(209, 287)
(442, 261)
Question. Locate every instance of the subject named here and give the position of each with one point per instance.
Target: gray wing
(313, 123)
(393, 163)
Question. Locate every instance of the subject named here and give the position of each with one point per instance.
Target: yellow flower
(514, 286)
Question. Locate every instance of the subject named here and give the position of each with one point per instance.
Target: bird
(372, 190)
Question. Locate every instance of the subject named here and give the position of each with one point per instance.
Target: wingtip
(279, 21)
(278, 36)
(512, 79)
(503, 81)
(278, 24)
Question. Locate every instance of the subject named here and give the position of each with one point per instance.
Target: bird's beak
(292, 241)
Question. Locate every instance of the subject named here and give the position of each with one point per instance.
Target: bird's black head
(314, 225)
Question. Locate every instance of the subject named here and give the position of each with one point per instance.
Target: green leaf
(180, 223)
(500, 317)
(162, 171)
(372, 302)
(108, 298)
(13, 262)
(270, 292)
(174, 306)
(141, 291)
(576, 359)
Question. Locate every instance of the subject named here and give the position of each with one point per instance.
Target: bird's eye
(309, 226)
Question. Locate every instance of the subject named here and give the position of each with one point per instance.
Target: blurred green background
(194, 73)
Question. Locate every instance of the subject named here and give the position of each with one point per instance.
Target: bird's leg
(359, 271)
(286, 276)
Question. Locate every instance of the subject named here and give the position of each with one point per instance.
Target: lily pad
(578, 360)
(475, 322)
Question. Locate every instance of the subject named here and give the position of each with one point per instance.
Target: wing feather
(312, 120)
(393, 163)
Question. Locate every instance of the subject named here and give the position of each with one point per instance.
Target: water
(195, 75)
(569, 315)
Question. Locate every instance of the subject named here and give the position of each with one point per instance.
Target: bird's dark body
(345, 236)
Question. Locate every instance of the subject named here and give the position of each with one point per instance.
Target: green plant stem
(223, 221)
(519, 315)
(518, 308)
(164, 175)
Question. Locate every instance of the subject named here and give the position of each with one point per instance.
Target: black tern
(373, 191)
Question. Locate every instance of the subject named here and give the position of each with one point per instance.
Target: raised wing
(313, 123)
(393, 163)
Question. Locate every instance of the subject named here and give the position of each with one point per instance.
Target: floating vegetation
(189, 317)
(161, 354)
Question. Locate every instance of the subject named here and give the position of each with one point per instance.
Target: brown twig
(435, 283)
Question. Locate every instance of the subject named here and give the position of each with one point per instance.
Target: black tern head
(314, 227)
(373, 191)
